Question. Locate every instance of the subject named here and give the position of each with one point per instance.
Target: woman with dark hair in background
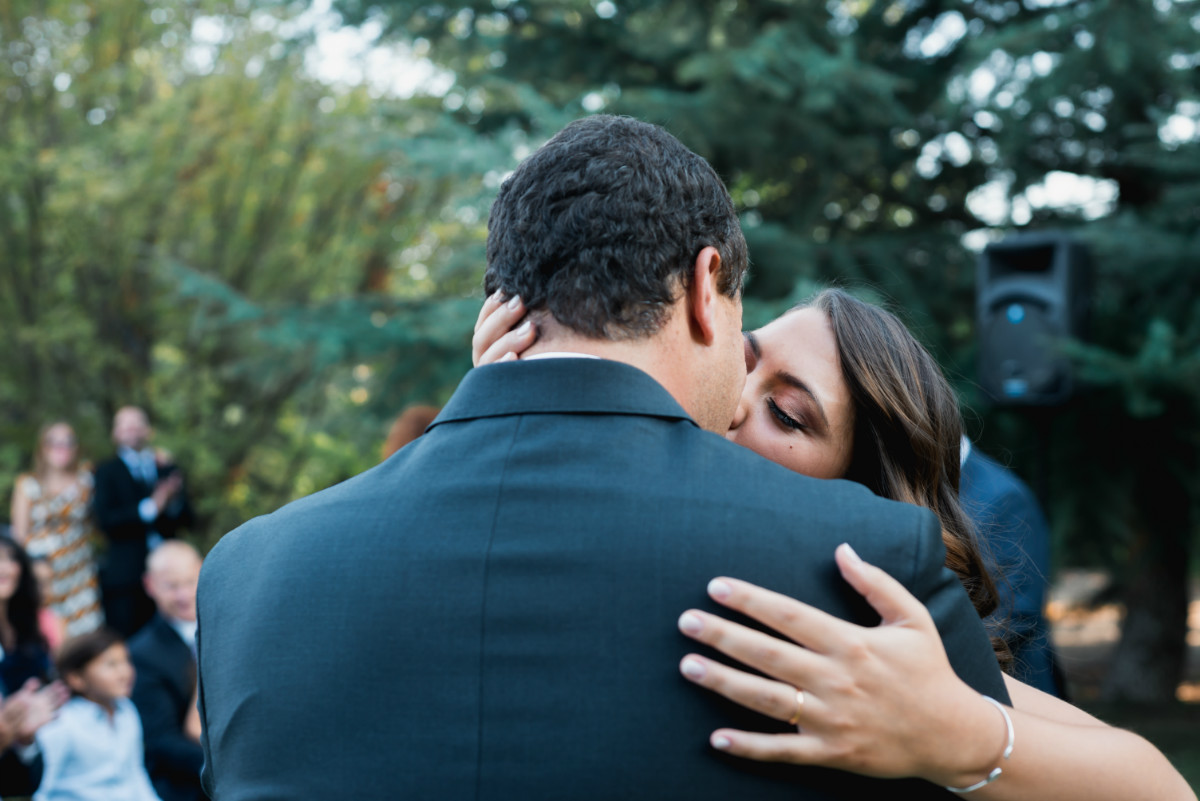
(839, 388)
(25, 705)
(52, 519)
(24, 653)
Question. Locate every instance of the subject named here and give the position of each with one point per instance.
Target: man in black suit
(139, 502)
(490, 613)
(163, 654)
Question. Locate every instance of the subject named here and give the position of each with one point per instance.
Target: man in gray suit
(490, 613)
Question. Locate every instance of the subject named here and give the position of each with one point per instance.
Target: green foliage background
(275, 267)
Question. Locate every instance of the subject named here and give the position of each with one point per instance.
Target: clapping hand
(881, 701)
(166, 490)
(30, 708)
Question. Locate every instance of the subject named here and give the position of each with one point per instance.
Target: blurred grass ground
(1085, 637)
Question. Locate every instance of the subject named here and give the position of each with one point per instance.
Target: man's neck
(658, 356)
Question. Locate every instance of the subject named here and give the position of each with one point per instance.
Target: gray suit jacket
(490, 614)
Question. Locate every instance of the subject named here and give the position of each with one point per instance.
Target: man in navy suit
(490, 613)
(163, 654)
(1011, 526)
(139, 501)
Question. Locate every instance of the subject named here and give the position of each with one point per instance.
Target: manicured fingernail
(524, 329)
(720, 742)
(719, 589)
(853, 554)
(692, 669)
(689, 623)
(514, 302)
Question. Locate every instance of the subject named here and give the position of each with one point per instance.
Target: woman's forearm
(1062, 752)
(1060, 761)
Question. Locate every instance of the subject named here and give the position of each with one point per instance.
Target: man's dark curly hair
(602, 226)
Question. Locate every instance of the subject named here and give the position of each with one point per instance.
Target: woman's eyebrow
(796, 383)
(753, 340)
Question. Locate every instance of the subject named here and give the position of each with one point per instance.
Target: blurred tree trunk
(1149, 661)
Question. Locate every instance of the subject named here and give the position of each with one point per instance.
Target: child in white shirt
(93, 750)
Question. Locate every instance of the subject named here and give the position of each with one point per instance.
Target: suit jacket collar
(559, 386)
(166, 633)
(119, 460)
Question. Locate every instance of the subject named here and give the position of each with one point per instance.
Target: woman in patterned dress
(51, 518)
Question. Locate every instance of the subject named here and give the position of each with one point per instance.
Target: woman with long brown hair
(903, 421)
(839, 388)
(51, 519)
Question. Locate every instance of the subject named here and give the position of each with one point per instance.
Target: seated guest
(24, 665)
(163, 654)
(93, 750)
(24, 654)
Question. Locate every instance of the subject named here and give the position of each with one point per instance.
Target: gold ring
(794, 720)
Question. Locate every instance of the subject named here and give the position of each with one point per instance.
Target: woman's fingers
(796, 749)
(777, 658)
(490, 304)
(495, 336)
(888, 597)
(877, 700)
(510, 345)
(765, 696)
(816, 630)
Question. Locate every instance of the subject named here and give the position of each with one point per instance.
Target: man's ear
(703, 295)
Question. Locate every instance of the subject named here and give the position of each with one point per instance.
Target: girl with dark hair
(93, 751)
(24, 653)
(838, 388)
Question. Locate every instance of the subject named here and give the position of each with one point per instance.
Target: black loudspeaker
(1032, 293)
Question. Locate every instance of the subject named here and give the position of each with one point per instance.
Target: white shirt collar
(964, 451)
(185, 629)
(559, 354)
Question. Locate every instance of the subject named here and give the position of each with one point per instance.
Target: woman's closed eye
(784, 418)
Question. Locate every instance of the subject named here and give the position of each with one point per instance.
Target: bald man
(139, 502)
(163, 653)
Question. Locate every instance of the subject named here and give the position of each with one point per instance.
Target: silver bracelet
(996, 771)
